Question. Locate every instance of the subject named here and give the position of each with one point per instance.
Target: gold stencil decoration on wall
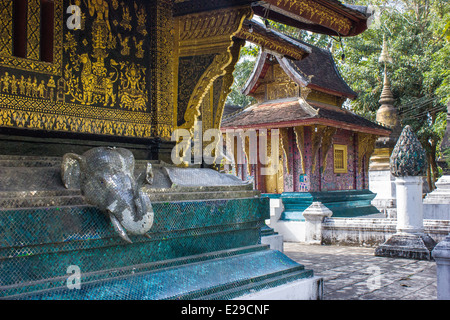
(6, 14)
(141, 19)
(32, 61)
(132, 92)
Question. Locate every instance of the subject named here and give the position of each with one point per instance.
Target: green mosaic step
(221, 275)
(37, 244)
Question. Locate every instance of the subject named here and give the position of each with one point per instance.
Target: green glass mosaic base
(224, 275)
(343, 203)
(38, 245)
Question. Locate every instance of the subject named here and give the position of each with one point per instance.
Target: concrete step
(29, 161)
(36, 199)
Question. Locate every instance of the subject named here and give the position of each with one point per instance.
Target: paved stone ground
(355, 273)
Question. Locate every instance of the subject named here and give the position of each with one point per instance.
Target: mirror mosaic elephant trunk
(106, 179)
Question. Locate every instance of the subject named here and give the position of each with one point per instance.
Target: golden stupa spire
(387, 113)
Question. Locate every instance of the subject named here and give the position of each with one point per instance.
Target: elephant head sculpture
(106, 179)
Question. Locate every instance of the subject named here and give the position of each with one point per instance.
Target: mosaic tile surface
(38, 244)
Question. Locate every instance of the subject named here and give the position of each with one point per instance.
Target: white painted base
(382, 183)
(373, 232)
(292, 231)
(275, 241)
(436, 211)
(303, 289)
(436, 204)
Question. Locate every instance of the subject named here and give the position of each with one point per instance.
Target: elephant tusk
(118, 227)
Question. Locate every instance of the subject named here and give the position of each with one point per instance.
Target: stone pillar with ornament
(315, 215)
(438, 203)
(381, 181)
(408, 164)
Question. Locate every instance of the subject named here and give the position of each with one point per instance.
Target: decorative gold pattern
(216, 69)
(366, 146)
(269, 43)
(6, 14)
(161, 74)
(284, 139)
(34, 113)
(300, 141)
(311, 10)
(31, 64)
(327, 141)
(51, 98)
(227, 81)
(33, 29)
(321, 140)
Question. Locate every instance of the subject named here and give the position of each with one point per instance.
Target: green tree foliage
(416, 32)
(418, 37)
(242, 71)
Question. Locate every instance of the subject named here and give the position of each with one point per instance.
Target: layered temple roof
(316, 71)
(296, 112)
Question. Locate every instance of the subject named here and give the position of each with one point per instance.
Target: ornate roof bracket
(320, 16)
(284, 139)
(327, 141)
(366, 146)
(205, 34)
(300, 141)
(321, 139)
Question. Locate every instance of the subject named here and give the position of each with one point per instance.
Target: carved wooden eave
(272, 41)
(205, 33)
(320, 16)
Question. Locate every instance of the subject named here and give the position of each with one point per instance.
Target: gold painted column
(162, 72)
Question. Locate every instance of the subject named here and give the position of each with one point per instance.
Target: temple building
(93, 90)
(324, 149)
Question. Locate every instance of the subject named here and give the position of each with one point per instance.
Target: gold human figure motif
(141, 19)
(5, 81)
(51, 85)
(22, 85)
(126, 22)
(87, 79)
(41, 89)
(14, 84)
(138, 45)
(34, 88)
(29, 86)
(124, 43)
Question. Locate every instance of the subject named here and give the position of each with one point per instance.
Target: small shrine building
(323, 146)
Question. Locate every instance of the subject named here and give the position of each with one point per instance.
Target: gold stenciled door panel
(104, 78)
